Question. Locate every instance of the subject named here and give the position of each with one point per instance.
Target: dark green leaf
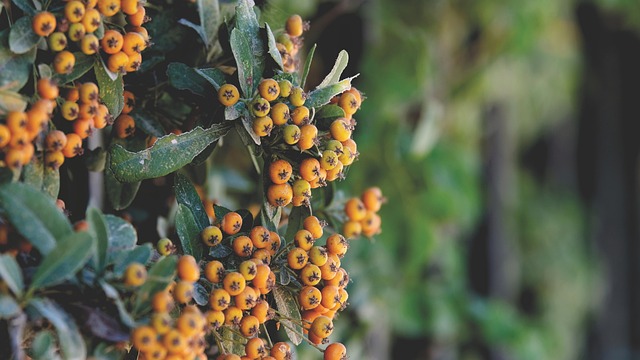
(339, 66)
(287, 306)
(322, 96)
(148, 123)
(121, 194)
(198, 29)
(113, 294)
(220, 212)
(22, 38)
(188, 232)
(235, 111)
(284, 277)
(273, 49)
(83, 64)
(183, 77)
(307, 66)
(270, 216)
(200, 294)
(187, 195)
(241, 48)
(71, 342)
(111, 91)
(296, 219)
(95, 159)
(40, 177)
(159, 276)
(326, 115)
(11, 275)
(51, 182)
(247, 220)
(245, 130)
(43, 346)
(220, 251)
(100, 232)
(15, 69)
(26, 6)
(149, 63)
(36, 217)
(246, 19)
(122, 237)
(167, 155)
(209, 12)
(204, 155)
(62, 263)
(99, 33)
(213, 75)
(140, 254)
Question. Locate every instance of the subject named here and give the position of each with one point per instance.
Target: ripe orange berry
(161, 322)
(310, 275)
(88, 110)
(370, 224)
(129, 102)
(83, 127)
(337, 244)
(47, 88)
(291, 134)
(43, 23)
(263, 255)
(336, 172)
(255, 348)
(133, 43)
(219, 299)
(139, 18)
(242, 246)
(262, 126)
(340, 129)
(211, 235)
(144, 338)
(274, 242)
(318, 255)
(269, 89)
(134, 62)
(350, 152)
(308, 137)
(281, 351)
(232, 316)
(135, 275)
(355, 210)
(297, 258)
(5, 135)
(215, 318)
(102, 117)
(14, 158)
(280, 171)
(188, 269)
(183, 292)
(321, 327)
(234, 283)
(372, 199)
(280, 113)
(109, 8)
(261, 311)
(335, 351)
(37, 120)
(279, 194)
(349, 103)
(330, 296)
(231, 223)
(214, 271)
(228, 95)
(52, 159)
(64, 62)
(260, 107)
(91, 20)
(248, 269)
(246, 300)
(73, 146)
(294, 25)
(300, 115)
(260, 237)
(89, 44)
(297, 96)
(329, 269)
(57, 41)
(262, 276)
(249, 326)
(74, 11)
(112, 42)
(352, 229)
(117, 62)
(129, 7)
(162, 302)
(309, 297)
(189, 323)
(303, 239)
(174, 341)
(124, 126)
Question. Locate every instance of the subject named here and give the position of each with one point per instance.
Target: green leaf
(209, 11)
(43, 346)
(272, 47)
(11, 275)
(15, 69)
(8, 307)
(287, 306)
(40, 177)
(21, 37)
(36, 217)
(148, 123)
(231, 341)
(200, 294)
(245, 130)
(71, 342)
(45, 71)
(322, 96)
(246, 19)
(241, 48)
(198, 29)
(140, 254)
(235, 111)
(183, 77)
(51, 182)
(188, 232)
(122, 237)
(32, 174)
(168, 154)
(11, 101)
(62, 263)
(122, 194)
(296, 219)
(220, 212)
(326, 115)
(83, 64)
(307, 66)
(111, 90)
(214, 76)
(187, 195)
(159, 276)
(99, 230)
(111, 293)
(26, 6)
(335, 73)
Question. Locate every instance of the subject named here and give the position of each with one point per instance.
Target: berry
(219, 299)
(242, 246)
(74, 11)
(124, 126)
(144, 338)
(294, 26)
(309, 297)
(269, 89)
(372, 199)
(89, 44)
(280, 194)
(57, 41)
(300, 115)
(211, 235)
(337, 244)
(340, 129)
(355, 210)
(231, 223)
(73, 147)
(321, 327)
(310, 275)
(214, 271)
(249, 326)
(234, 283)
(285, 88)
(43, 23)
(303, 239)
(335, 351)
(280, 171)
(248, 269)
(291, 134)
(308, 137)
(133, 43)
(255, 348)
(262, 126)
(280, 113)
(281, 351)
(183, 292)
(135, 275)
(91, 20)
(188, 269)
(314, 226)
(47, 89)
(297, 258)
(64, 62)
(112, 42)
(318, 255)
(297, 96)
(246, 300)
(260, 107)
(162, 302)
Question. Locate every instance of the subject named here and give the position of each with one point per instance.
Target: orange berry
(112, 42)
(64, 62)
(129, 102)
(124, 126)
(91, 20)
(255, 348)
(260, 237)
(321, 327)
(73, 146)
(5, 135)
(135, 275)
(297, 258)
(118, 62)
(47, 89)
(294, 25)
(139, 18)
(133, 43)
(83, 127)
(355, 210)
(43, 23)
(280, 171)
(129, 7)
(228, 95)
(144, 338)
(109, 8)
(335, 351)
(300, 115)
(188, 269)
(269, 89)
(74, 11)
(234, 283)
(52, 159)
(308, 137)
(219, 299)
(214, 271)
(279, 194)
(242, 246)
(231, 223)
(372, 199)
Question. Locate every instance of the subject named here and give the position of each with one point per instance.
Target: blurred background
(504, 135)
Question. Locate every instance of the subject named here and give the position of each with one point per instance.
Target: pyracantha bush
(210, 289)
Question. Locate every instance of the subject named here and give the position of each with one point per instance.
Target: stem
(303, 337)
(254, 160)
(266, 332)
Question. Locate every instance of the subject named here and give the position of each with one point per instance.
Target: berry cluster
(362, 214)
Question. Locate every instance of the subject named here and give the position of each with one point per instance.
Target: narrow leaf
(213, 75)
(111, 90)
(220, 212)
(26, 6)
(200, 294)
(113, 294)
(43, 346)
(183, 77)
(122, 237)
(335, 73)
(287, 306)
(51, 182)
(248, 136)
(36, 217)
(326, 115)
(241, 48)
(99, 230)
(159, 276)
(121, 194)
(209, 11)
(187, 195)
(198, 29)
(15, 69)
(168, 154)
(235, 111)
(11, 275)
(307, 66)
(273, 49)
(45, 71)
(322, 96)
(188, 232)
(148, 123)
(71, 342)
(21, 37)
(62, 263)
